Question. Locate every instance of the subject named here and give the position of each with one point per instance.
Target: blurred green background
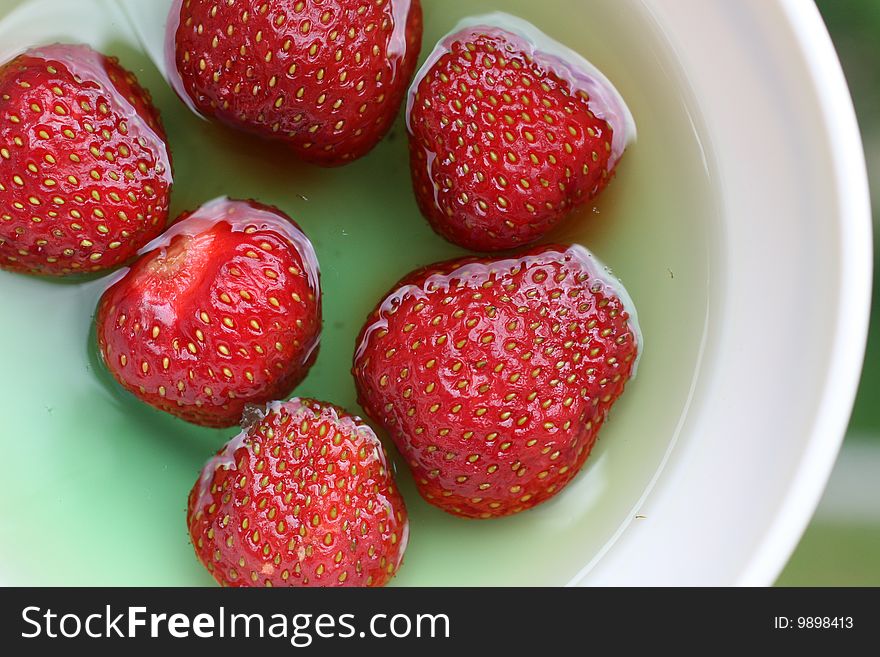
(842, 545)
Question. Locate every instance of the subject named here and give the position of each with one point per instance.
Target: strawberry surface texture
(223, 310)
(506, 139)
(85, 169)
(326, 77)
(494, 377)
(303, 497)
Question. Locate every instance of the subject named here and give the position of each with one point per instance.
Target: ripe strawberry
(494, 377)
(325, 76)
(85, 171)
(506, 139)
(224, 310)
(302, 497)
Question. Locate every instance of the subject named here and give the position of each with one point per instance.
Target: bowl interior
(101, 479)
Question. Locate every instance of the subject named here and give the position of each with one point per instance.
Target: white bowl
(706, 475)
(789, 290)
(790, 300)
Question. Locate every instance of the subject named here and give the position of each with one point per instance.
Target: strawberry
(302, 497)
(85, 170)
(222, 311)
(506, 138)
(327, 77)
(494, 377)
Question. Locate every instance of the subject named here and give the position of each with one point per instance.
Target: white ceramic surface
(790, 300)
(789, 293)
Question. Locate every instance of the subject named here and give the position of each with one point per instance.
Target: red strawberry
(225, 310)
(509, 131)
(303, 497)
(325, 76)
(85, 171)
(494, 377)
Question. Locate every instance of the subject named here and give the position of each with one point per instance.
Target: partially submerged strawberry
(494, 377)
(225, 310)
(325, 76)
(302, 497)
(509, 131)
(85, 171)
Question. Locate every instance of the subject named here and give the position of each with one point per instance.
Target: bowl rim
(846, 348)
(760, 555)
(850, 180)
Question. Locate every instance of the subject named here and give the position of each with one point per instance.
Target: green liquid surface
(95, 487)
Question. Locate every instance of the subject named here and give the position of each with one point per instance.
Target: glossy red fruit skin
(327, 78)
(81, 189)
(500, 154)
(302, 497)
(494, 377)
(224, 310)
